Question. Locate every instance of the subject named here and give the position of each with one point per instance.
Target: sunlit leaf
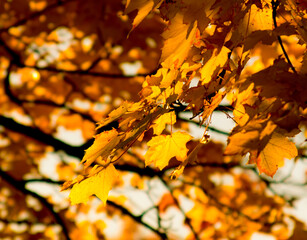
(248, 138)
(162, 148)
(144, 7)
(99, 185)
(177, 42)
(102, 146)
(272, 156)
(214, 60)
(159, 124)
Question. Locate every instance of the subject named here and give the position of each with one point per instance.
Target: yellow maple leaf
(99, 185)
(178, 41)
(272, 156)
(259, 19)
(103, 145)
(214, 62)
(243, 99)
(159, 124)
(256, 19)
(162, 148)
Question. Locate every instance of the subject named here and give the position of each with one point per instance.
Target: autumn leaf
(168, 77)
(194, 96)
(119, 112)
(264, 36)
(192, 157)
(177, 41)
(272, 156)
(215, 101)
(162, 148)
(304, 64)
(249, 137)
(65, 65)
(256, 19)
(159, 124)
(99, 185)
(144, 7)
(102, 146)
(214, 61)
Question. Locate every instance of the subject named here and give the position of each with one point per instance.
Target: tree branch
(20, 186)
(20, 102)
(209, 127)
(39, 135)
(35, 15)
(137, 219)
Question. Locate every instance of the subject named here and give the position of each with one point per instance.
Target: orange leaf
(250, 137)
(216, 60)
(144, 7)
(178, 41)
(162, 148)
(119, 112)
(272, 156)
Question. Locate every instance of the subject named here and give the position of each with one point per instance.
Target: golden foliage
(153, 75)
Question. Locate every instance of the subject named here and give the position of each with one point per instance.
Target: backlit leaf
(272, 156)
(216, 60)
(177, 41)
(250, 137)
(144, 7)
(99, 185)
(162, 148)
(159, 124)
(119, 112)
(102, 146)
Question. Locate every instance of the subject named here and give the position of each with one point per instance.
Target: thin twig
(137, 219)
(275, 4)
(188, 222)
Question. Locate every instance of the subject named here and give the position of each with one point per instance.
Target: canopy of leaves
(102, 98)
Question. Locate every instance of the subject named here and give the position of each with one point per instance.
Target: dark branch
(141, 171)
(86, 72)
(41, 136)
(45, 180)
(20, 102)
(209, 127)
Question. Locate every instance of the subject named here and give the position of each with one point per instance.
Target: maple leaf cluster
(194, 106)
(212, 43)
